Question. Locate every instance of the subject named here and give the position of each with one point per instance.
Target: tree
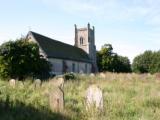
(109, 61)
(124, 64)
(142, 62)
(148, 62)
(155, 62)
(104, 58)
(20, 58)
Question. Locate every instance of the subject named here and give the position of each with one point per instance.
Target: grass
(126, 97)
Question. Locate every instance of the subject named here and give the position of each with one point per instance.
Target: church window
(86, 68)
(81, 40)
(73, 67)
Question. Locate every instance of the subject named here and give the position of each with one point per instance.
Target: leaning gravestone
(37, 83)
(56, 99)
(12, 83)
(60, 82)
(94, 97)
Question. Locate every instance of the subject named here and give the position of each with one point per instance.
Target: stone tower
(85, 39)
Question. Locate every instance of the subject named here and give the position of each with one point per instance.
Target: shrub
(69, 76)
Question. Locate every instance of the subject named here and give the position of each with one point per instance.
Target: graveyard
(122, 97)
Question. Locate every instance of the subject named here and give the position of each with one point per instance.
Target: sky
(131, 26)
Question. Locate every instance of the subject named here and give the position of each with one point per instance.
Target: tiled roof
(56, 49)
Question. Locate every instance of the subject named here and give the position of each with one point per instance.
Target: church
(80, 58)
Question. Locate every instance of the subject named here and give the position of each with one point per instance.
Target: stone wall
(79, 67)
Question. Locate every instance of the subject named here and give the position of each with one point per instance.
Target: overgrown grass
(126, 97)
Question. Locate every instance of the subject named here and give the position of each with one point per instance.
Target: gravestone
(92, 75)
(58, 82)
(12, 83)
(37, 83)
(102, 75)
(56, 99)
(94, 97)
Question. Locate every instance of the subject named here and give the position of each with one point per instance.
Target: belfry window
(81, 40)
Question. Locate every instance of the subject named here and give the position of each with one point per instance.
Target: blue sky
(131, 26)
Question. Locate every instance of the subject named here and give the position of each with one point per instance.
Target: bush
(69, 76)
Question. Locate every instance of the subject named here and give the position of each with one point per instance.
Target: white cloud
(148, 10)
(83, 7)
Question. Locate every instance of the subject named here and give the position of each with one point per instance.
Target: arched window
(81, 40)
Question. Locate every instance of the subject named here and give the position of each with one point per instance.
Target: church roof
(56, 49)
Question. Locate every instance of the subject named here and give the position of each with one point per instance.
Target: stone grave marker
(92, 75)
(12, 83)
(58, 82)
(37, 83)
(102, 75)
(94, 97)
(56, 99)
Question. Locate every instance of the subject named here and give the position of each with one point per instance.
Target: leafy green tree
(104, 58)
(148, 62)
(124, 64)
(142, 63)
(109, 61)
(155, 62)
(20, 59)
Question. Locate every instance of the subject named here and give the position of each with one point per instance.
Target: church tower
(85, 39)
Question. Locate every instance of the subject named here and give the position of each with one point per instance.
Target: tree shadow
(20, 111)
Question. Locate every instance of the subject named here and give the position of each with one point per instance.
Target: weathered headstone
(92, 75)
(37, 83)
(94, 97)
(12, 83)
(102, 75)
(56, 100)
(58, 82)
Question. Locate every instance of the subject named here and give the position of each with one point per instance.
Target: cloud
(73, 5)
(146, 10)
(83, 7)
